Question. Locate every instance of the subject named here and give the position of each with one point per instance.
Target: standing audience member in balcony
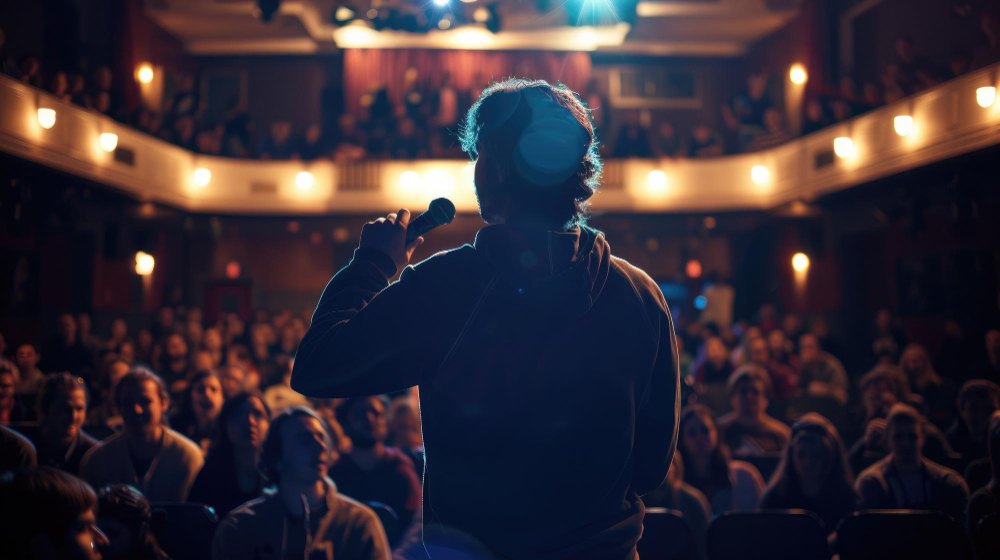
(969, 433)
(78, 90)
(905, 478)
(62, 409)
(31, 378)
(306, 516)
(822, 373)
(64, 351)
(11, 410)
(59, 87)
(279, 143)
(239, 129)
(125, 517)
(30, 71)
(917, 71)
(350, 142)
(774, 132)
(372, 471)
(632, 139)
(182, 133)
(230, 476)
(185, 101)
(814, 473)
(816, 117)
(445, 107)
(48, 514)
(314, 144)
(146, 453)
(729, 485)
(668, 143)
(748, 430)
(197, 415)
(704, 142)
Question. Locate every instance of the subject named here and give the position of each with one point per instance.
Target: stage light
(693, 268)
(656, 181)
(47, 117)
(986, 96)
(144, 73)
(108, 141)
(441, 3)
(304, 180)
(700, 302)
(800, 262)
(797, 74)
(202, 177)
(903, 124)
(344, 14)
(843, 147)
(760, 174)
(144, 263)
(233, 270)
(469, 1)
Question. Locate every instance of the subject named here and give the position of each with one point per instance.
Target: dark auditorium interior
(812, 185)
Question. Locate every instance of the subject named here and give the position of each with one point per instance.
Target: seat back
(184, 530)
(903, 534)
(792, 534)
(666, 536)
(987, 536)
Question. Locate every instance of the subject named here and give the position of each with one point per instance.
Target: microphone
(440, 212)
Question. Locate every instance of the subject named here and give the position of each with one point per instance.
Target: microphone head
(442, 209)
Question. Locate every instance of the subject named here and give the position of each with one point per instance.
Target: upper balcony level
(954, 118)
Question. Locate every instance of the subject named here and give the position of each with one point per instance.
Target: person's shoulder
(743, 472)
(874, 472)
(447, 262)
(350, 511)
(777, 426)
(637, 276)
(183, 446)
(944, 474)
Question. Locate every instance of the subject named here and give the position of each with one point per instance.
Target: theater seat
(901, 534)
(666, 536)
(389, 519)
(790, 534)
(185, 531)
(987, 536)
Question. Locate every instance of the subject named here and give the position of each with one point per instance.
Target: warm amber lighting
(46, 117)
(760, 174)
(202, 177)
(986, 96)
(800, 262)
(304, 180)
(144, 73)
(693, 268)
(903, 124)
(108, 141)
(409, 180)
(843, 147)
(144, 263)
(797, 74)
(656, 181)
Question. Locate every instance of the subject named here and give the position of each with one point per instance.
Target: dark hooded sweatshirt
(548, 380)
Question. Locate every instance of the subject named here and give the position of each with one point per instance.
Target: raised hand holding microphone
(395, 236)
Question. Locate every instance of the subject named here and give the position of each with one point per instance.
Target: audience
(821, 373)
(31, 378)
(305, 513)
(969, 433)
(146, 453)
(748, 430)
(196, 417)
(62, 409)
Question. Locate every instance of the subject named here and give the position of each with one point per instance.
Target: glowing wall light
(304, 180)
(656, 181)
(47, 117)
(693, 268)
(903, 124)
(797, 74)
(144, 73)
(202, 177)
(144, 263)
(409, 180)
(986, 96)
(760, 174)
(800, 262)
(843, 146)
(108, 141)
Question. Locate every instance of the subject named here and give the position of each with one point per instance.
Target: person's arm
(656, 421)
(364, 339)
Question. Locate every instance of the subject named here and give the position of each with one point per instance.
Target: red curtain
(365, 69)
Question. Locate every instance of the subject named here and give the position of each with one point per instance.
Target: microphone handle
(419, 226)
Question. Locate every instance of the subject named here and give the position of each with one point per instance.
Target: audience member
(125, 517)
(814, 473)
(716, 368)
(969, 433)
(146, 453)
(728, 485)
(704, 142)
(748, 430)
(632, 139)
(11, 410)
(31, 378)
(936, 393)
(678, 495)
(48, 515)
(175, 366)
(905, 478)
(279, 143)
(821, 373)
(783, 379)
(404, 429)
(16, 451)
(64, 351)
(305, 516)
(62, 409)
(196, 417)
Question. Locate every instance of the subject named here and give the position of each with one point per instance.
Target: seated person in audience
(986, 500)
(48, 514)
(16, 451)
(988, 367)
(196, 417)
(632, 139)
(404, 429)
(62, 408)
(124, 516)
(146, 453)
(230, 476)
(678, 495)
(667, 143)
(406, 142)
(279, 144)
(10, 409)
(106, 414)
(905, 479)
(816, 117)
(881, 389)
(234, 380)
(969, 433)
(64, 351)
(748, 430)
(814, 474)
(936, 392)
(704, 142)
(175, 368)
(304, 516)
(774, 133)
(729, 485)
(784, 378)
(821, 373)
(782, 349)
(716, 368)
(371, 471)
(31, 378)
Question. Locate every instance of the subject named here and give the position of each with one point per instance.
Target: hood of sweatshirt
(560, 272)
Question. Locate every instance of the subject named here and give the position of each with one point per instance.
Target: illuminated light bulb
(903, 124)
(760, 174)
(986, 96)
(843, 147)
(304, 180)
(797, 74)
(144, 73)
(108, 141)
(409, 180)
(481, 14)
(46, 117)
(202, 177)
(657, 181)
(693, 268)
(144, 263)
(800, 262)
